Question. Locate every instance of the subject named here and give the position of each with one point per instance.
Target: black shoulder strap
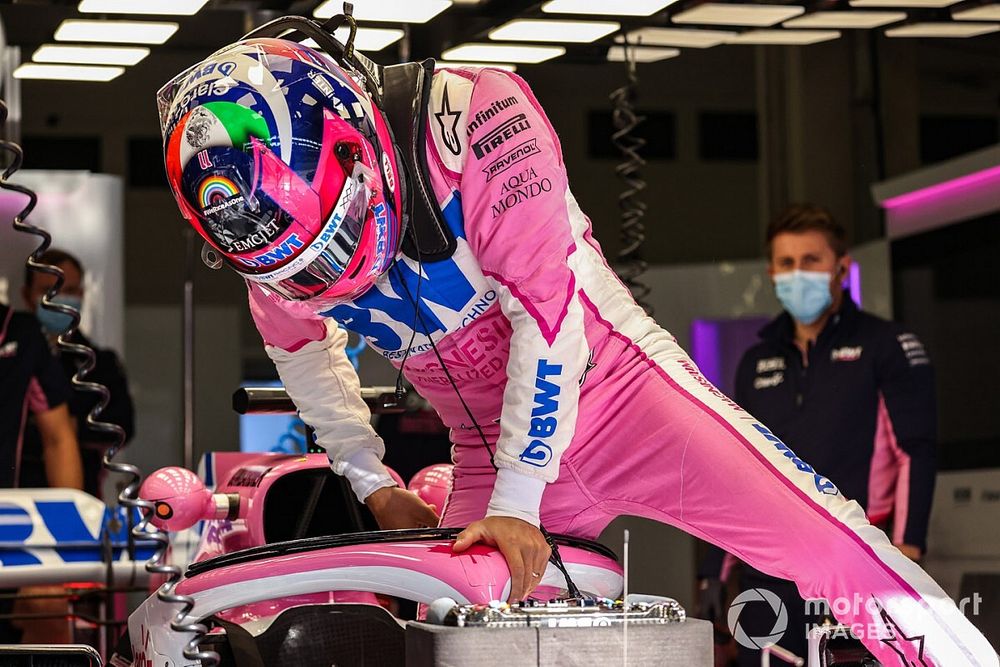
(406, 96)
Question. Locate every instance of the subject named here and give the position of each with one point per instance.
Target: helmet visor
(321, 265)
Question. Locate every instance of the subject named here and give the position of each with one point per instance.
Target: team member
(31, 381)
(852, 393)
(107, 371)
(515, 329)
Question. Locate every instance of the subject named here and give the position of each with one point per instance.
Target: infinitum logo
(757, 595)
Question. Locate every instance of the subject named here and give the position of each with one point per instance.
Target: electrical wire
(630, 265)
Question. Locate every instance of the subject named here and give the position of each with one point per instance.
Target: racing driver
(290, 165)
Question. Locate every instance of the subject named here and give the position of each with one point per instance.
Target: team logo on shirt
(768, 381)
(770, 364)
(8, 349)
(846, 353)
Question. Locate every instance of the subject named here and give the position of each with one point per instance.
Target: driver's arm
(308, 352)
(524, 230)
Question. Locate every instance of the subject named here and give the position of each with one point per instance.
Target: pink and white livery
(594, 410)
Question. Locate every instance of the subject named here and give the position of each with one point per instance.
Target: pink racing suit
(594, 410)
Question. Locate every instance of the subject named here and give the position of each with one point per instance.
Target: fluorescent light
(122, 32)
(606, 8)
(176, 7)
(785, 37)
(450, 63)
(389, 11)
(67, 72)
(845, 20)
(684, 37)
(642, 54)
(948, 29)
(981, 13)
(931, 4)
(544, 30)
(515, 53)
(366, 39)
(90, 55)
(721, 13)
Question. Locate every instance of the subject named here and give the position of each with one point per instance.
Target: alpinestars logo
(448, 120)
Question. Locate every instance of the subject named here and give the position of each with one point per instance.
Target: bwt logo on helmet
(823, 485)
(538, 453)
(278, 253)
(224, 68)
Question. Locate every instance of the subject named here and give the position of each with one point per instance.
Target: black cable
(630, 265)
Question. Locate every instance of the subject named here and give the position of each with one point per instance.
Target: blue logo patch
(823, 485)
(538, 453)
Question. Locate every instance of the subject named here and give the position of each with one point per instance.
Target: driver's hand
(396, 508)
(522, 544)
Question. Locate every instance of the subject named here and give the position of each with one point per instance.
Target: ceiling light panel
(438, 64)
(543, 30)
(67, 72)
(981, 13)
(946, 29)
(926, 4)
(642, 54)
(119, 32)
(389, 11)
(606, 8)
(847, 20)
(682, 37)
(720, 13)
(157, 7)
(90, 55)
(785, 37)
(509, 53)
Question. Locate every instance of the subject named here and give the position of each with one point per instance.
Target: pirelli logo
(503, 132)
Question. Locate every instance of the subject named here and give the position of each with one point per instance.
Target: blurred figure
(108, 372)
(850, 393)
(31, 381)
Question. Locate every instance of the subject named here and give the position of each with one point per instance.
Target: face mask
(56, 323)
(804, 294)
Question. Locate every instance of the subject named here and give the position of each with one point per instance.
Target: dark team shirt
(107, 371)
(31, 380)
(827, 411)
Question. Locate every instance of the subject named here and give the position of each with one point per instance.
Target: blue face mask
(56, 323)
(804, 294)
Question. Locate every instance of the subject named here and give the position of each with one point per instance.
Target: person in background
(31, 381)
(849, 392)
(108, 371)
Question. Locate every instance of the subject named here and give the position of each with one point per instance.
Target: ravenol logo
(823, 485)
(538, 453)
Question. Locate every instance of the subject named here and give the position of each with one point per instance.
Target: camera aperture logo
(757, 595)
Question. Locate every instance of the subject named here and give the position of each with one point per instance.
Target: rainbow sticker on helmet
(215, 190)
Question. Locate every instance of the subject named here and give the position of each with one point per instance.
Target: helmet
(278, 157)
(433, 484)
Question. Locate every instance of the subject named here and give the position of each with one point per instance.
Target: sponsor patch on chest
(768, 381)
(770, 364)
(847, 353)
